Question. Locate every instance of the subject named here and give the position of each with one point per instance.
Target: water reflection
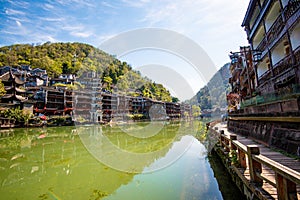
(128, 153)
(53, 163)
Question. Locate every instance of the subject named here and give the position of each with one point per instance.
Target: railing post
(254, 166)
(221, 138)
(286, 189)
(227, 147)
(232, 146)
(242, 158)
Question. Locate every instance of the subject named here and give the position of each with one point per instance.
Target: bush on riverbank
(60, 121)
(137, 116)
(21, 118)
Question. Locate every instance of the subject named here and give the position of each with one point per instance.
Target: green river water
(160, 160)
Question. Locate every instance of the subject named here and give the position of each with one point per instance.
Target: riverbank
(258, 171)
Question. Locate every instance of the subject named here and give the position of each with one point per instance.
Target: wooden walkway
(274, 175)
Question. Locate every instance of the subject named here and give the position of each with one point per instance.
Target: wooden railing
(297, 55)
(285, 179)
(264, 77)
(275, 29)
(292, 7)
(283, 64)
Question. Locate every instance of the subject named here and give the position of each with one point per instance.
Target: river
(146, 160)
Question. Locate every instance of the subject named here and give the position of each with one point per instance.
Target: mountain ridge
(213, 95)
(72, 58)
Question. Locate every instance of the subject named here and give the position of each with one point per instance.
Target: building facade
(273, 29)
(265, 99)
(85, 100)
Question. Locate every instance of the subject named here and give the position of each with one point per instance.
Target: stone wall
(282, 135)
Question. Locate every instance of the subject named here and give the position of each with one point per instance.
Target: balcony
(275, 29)
(264, 77)
(291, 8)
(283, 65)
(266, 6)
(297, 55)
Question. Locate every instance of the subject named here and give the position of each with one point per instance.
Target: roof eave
(249, 10)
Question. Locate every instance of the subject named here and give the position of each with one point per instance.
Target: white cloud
(135, 3)
(81, 34)
(18, 23)
(76, 3)
(9, 11)
(50, 19)
(213, 24)
(109, 5)
(47, 6)
(73, 28)
(21, 4)
(208, 22)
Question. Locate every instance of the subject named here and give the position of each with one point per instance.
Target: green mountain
(213, 95)
(73, 58)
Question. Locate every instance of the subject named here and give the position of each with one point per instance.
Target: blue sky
(215, 25)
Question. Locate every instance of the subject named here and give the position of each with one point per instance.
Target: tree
(196, 111)
(77, 58)
(108, 81)
(2, 89)
(175, 100)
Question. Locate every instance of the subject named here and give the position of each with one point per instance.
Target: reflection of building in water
(125, 152)
(58, 161)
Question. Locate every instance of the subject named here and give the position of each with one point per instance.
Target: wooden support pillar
(286, 189)
(254, 166)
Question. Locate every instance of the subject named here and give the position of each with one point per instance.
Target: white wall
(278, 53)
(272, 15)
(262, 67)
(295, 37)
(258, 37)
(254, 16)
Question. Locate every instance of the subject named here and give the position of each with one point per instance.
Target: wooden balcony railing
(297, 55)
(282, 65)
(262, 45)
(275, 29)
(291, 8)
(264, 77)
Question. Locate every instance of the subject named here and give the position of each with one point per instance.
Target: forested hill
(64, 58)
(213, 95)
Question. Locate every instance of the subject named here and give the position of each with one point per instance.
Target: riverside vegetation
(75, 58)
